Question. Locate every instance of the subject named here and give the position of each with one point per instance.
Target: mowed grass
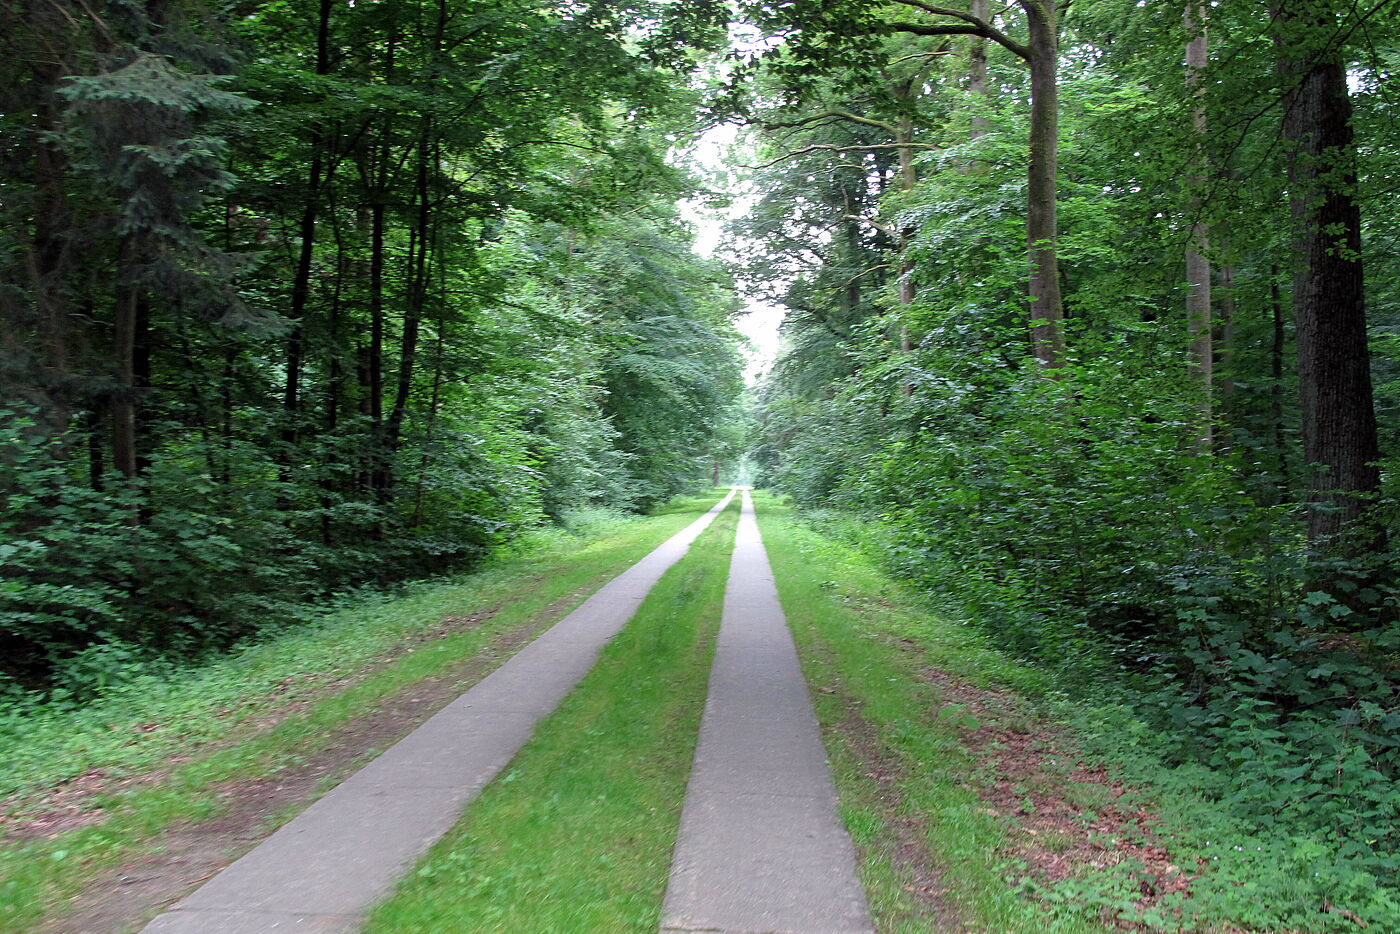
(576, 834)
(206, 727)
(847, 619)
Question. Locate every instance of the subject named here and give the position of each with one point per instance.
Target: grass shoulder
(901, 694)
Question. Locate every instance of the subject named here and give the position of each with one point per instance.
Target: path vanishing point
(760, 849)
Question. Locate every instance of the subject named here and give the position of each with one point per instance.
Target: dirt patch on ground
(1066, 817)
(70, 805)
(184, 856)
(905, 832)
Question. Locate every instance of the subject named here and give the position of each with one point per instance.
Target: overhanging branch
(967, 25)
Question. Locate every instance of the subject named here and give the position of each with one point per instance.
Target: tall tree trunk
(52, 225)
(306, 229)
(435, 398)
(417, 291)
(1329, 311)
(908, 178)
(374, 362)
(381, 172)
(1046, 306)
(1198, 308)
(1276, 351)
(96, 468)
(125, 324)
(141, 350)
(1225, 346)
(977, 83)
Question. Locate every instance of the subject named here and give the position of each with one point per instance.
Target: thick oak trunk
(1329, 311)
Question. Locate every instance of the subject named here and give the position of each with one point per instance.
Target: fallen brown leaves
(1066, 816)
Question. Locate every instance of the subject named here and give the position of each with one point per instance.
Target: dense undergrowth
(1275, 768)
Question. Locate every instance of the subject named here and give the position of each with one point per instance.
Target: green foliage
(306, 298)
(1078, 517)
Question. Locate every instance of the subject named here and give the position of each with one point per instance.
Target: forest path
(323, 870)
(760, 846)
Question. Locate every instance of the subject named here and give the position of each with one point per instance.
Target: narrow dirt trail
(760, 846)
(323, 870)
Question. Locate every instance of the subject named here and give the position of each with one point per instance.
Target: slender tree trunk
(424, 235)
(435, 398)
(374, 363)
(417, 292)
(379, 458)
(977, 83)
(1225, 347)
(141, 349)
(1046, 306)
(226, 476)
(908, 178)
(124, 326)
(306, 229)
(335, 379)
(52, 225)
(1329, 311)
(1199, 322)
(96, 467)
(1276, 352)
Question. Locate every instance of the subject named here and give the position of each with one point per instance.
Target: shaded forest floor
(971, 808)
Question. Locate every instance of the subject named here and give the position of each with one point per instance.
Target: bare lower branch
(968, 25)
(825, 115)
(827, 147)
(883, 228)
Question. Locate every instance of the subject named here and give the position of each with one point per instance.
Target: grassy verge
(577, 834)
(932, 857)
(259, 711)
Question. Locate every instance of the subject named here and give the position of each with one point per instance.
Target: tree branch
(838, 114)
(970, 26)
(883, 228)
(828, 147)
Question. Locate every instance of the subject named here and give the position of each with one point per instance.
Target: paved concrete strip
(760, 849)
(326, 868)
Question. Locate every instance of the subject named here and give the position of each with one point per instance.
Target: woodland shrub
(1073, 522)
(100, 584)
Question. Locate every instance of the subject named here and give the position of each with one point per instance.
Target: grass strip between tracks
(576, 834)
